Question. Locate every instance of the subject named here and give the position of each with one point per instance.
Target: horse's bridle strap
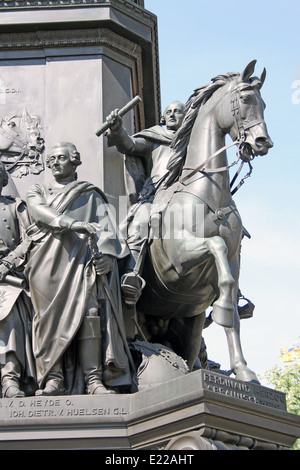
(241, 127)
(252, 124)
(201, 168)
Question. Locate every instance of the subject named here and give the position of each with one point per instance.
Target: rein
(240, 142)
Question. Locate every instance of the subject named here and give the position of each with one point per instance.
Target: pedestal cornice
(44, 20)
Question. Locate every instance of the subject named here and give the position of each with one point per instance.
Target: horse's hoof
(223, 316)
(246, 375)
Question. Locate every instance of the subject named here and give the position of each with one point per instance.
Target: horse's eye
(246, 98)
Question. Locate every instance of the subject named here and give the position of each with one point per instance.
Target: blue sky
(198, 40)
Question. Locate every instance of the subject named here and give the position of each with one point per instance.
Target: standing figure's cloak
(63, 281)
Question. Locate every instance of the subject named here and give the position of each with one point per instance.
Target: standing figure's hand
(103, 264)
(4, 270)
(85, 227)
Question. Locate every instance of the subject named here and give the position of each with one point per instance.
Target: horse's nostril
(263, 142)
(260, 141)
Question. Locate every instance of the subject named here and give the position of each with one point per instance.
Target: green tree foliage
(286, 379)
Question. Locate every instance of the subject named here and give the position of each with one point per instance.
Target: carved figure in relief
(149, 171)
(21, 144)
(17, 362)
(77, 341)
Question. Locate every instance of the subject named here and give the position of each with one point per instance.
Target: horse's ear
(263, 77)
(248, 71)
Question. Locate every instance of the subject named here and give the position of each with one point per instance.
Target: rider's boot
(132, 283)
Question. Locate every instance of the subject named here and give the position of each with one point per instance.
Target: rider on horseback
(152, 147)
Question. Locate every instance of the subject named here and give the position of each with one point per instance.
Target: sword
(130, 105)
(97, 254)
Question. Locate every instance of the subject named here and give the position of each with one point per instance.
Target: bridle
(241, 126)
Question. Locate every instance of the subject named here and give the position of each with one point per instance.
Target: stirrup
(246, 311)
(131, 287)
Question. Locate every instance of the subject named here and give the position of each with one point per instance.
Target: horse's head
(231, 104)
(247, 112)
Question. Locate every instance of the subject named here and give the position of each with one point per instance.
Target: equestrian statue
(192, 259)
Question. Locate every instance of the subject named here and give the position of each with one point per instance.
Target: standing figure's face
(60, 164)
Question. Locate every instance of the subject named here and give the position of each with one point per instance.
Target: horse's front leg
(195, 240)
(223, 307)
(237, 361)
(190, 253)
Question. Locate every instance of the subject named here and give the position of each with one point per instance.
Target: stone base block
(199, 411)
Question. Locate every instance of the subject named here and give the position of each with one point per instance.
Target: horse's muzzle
(262, 145)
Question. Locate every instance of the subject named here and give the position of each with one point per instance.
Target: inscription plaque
(245, 391)
(31, 409)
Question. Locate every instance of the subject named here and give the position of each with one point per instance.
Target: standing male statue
(152, 146)
(17, 363)
(76, 333)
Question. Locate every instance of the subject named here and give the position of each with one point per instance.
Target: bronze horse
(194, 262)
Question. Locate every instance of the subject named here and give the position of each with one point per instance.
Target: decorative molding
(17, 4)
(74, 37)
(41, 40)
(219, 440)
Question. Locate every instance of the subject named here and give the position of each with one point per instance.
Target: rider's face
(174, 114)
(61, 166)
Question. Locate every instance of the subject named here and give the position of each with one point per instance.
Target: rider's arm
(127, 144)
(118, 136)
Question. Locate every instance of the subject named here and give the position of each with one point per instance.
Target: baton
(130, 105)
(14, 281)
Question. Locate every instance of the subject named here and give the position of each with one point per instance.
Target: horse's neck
(206, 140)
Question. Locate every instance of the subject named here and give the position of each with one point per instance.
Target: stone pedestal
(198, 411)
(68, 64)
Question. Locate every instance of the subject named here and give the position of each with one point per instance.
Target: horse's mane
(199, 97)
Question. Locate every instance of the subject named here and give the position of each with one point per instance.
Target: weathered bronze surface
(17, 360)
(66, 286)
(181, 255)
(196, 229)
(148, 154)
